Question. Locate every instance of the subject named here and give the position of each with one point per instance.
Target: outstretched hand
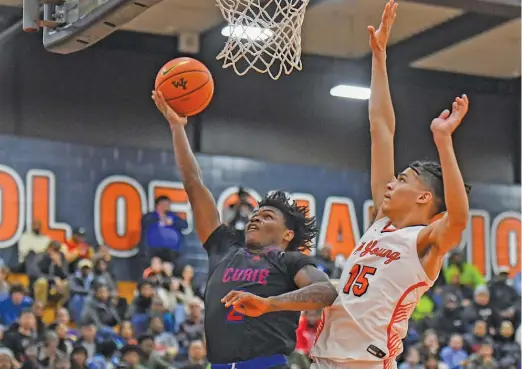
(246, 303)
(447, 122)
(379, 38)
(172, 117)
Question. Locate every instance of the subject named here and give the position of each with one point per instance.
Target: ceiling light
(351, 92)
(247, 32)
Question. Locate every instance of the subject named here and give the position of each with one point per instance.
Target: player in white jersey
(400, 255)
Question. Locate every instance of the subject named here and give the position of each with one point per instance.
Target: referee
(268, 263)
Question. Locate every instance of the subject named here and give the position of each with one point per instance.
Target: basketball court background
(100, 97)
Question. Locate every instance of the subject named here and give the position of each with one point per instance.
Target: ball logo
(181, 83)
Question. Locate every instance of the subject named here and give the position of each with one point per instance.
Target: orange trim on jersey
(319, 330)
(399, 313)
(387, 228)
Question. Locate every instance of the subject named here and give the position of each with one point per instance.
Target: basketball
(186, 85)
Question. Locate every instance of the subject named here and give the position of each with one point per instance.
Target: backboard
(82, 23)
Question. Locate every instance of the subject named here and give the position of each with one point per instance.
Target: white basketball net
(263, 35)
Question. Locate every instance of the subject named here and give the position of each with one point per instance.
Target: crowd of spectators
(462, 322)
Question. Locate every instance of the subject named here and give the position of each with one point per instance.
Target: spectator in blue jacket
(161, 231)
(11, 307)
(453, 355)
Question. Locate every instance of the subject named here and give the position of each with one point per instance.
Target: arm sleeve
(295, 261)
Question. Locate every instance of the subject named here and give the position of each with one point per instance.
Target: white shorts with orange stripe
(321, 363)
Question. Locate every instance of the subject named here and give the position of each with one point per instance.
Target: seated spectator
(139, 309)
(49, 353)
(31, 357)
(106, 357)
(155, 268)
(130, 357)
(20, 336)
(38, 310)
(7, 360)
(188, 287)
(80, 285)
(79, 358)
(325, 261)
(98, 309)
(480, 335)
(507, 351)
(192, 328)
(161, 230)
(463, 292)
(63, 317)
(469, 274)
(53, 278)
(433, 362)
(483, 359)
(170, 294)
(12, 306)
(197, 356)
(412, 360)
(504, 299)
(65, 344)
(87, 339)
(448, 320)
(150, 358)
(157, 308)
(62, 363)
(103, 276)
(162, 340)
(481, 309)
(78, 249)
(126, 334)
(4, 284)
(453, 355)
(32, 240)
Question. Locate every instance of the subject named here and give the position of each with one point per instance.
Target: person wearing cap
(78, 249)
(469, 274)
(53, 275)
(80, 284)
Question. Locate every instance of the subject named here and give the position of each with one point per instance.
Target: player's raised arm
(446, 232)
(382, 116)
(201, 200)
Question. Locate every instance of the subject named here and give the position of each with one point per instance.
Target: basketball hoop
(263, 35)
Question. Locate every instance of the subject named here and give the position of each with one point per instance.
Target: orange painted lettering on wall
(508, 241)
(130, 217)
(479, 241)
(41, 207)
(340, 234)
(176, 195)
(11, 206)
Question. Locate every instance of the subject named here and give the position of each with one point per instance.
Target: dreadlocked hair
(431, 174)
(296, 219)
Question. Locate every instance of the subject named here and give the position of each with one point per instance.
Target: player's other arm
(315, 292)
(445, 233)
(206, 215)
(380, 108)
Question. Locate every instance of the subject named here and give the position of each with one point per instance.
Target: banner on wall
(62, 196)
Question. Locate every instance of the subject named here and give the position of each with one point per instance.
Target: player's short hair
(431, 174)
(296, 219)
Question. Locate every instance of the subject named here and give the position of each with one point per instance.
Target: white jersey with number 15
(382, 281)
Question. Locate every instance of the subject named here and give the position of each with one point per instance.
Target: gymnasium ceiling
(472, 37)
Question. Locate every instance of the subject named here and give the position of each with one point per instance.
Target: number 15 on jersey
(358, 282)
